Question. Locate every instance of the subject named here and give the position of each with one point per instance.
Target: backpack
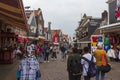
(91, 69)
(76, 66)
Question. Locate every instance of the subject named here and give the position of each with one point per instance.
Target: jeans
(54, 55)
(98, 74)
(46, 56)
(62, 55)
(41, 57)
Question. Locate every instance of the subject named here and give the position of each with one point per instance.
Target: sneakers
(55, 59)
(46, 61)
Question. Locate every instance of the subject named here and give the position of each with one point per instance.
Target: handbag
(105, 68)
(18, 74)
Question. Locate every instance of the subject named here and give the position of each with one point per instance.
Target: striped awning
(12, 12)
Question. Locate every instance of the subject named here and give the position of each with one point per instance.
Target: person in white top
(111, 54)
(85, 64)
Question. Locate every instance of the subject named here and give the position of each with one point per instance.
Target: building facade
(86, 27)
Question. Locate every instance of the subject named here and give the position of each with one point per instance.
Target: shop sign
(117, 10)
(93, 23)
(55, 38)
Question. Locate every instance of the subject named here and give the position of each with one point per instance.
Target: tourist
(28, 68)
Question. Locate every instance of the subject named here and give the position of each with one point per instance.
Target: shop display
(95, 40)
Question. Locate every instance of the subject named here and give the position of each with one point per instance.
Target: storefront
(111, 35)
(12, 18)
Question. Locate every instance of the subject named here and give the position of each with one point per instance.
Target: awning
(20, 39)
(41, 37)
(115, 25)
(12, 12)
(26, 40)
(33, 38)
(110, 28)
(83, 42)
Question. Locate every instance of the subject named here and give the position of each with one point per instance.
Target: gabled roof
(36, 12)
(65, 36)
(31, 11)
(12, 13)
(97, 32)
(83, 21)
(32, 24)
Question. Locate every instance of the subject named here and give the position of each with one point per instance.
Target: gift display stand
(7, 40)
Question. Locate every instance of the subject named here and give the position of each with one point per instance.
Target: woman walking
(98, 53)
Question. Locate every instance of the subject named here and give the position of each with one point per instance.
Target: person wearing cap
(28, 68)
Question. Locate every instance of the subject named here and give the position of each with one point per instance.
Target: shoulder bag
(105, 68)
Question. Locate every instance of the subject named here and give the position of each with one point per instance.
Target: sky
(65, 14)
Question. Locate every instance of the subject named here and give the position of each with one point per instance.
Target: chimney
(49, 27)
(105, 15)
(49, 31)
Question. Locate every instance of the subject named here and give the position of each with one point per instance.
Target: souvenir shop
(111, 37)
(10, 39)
(11, 20)
(7, 43)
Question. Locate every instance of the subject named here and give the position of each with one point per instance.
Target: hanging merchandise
(100, 39)
(112, 40)
(95, 40)
(94, 43)
(20, 40)
(106, 40)
(106, 47)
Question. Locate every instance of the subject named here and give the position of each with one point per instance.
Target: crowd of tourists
(33, 55)
(90, 65)
(79, 63)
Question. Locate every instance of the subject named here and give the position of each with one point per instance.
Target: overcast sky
(65, 14)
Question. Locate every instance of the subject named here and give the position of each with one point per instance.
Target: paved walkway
(54, 70)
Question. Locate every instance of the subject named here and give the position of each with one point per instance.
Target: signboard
(93, 22)
(117, 10)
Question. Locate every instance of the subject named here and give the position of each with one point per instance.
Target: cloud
(65, 14)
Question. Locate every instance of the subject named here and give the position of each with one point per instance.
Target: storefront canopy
(110, 28)
(12, 12)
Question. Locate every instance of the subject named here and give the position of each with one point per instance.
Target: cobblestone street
(54, 70)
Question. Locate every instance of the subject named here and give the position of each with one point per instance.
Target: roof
(97, 32)
(30, 11)
(12, 13)
(65, 36)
